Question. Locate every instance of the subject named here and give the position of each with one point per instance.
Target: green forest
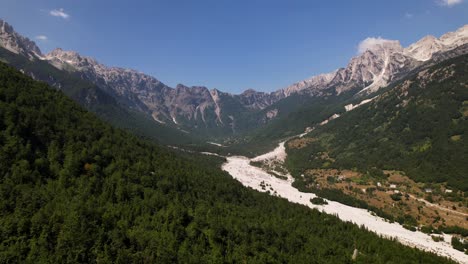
(73, 189)
(420, 127)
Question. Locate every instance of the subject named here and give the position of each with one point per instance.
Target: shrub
(318, 201)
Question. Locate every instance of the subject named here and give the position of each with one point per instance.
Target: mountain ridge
(202, 111)
(420, 51)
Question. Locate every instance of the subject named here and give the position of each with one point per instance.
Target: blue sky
(231, 45)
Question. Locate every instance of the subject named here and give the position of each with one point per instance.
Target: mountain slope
(419, 126)
(94, 98)
(75, 190)
(211, 113)
(196, 109)
(297, 113)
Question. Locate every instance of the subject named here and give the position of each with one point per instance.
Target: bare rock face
(165, 104)
(180, 106)
(252, 99)
(14, 42)
(373, 69)
(380, 64)
(314, 83)
(424, 48)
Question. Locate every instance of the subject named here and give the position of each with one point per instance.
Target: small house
(379, 184)
(448, 191)
(428, 190)
(396, 191)
(393, 186)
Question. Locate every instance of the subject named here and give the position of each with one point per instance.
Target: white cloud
(59, 13)
(450, 2)
(42, 38)
(371, 42)
(409, 15)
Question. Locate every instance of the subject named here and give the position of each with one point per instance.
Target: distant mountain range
(203, 112)
(381, 63)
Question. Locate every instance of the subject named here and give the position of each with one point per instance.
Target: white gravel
(279, 153)
(251, 176)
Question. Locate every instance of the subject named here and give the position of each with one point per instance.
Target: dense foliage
(459, 245)
(418, 127)
(74, 189)
(454, 230)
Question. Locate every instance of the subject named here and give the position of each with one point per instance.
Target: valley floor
(396, 195)
(251, 176)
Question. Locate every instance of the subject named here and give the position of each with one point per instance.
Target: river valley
(239, 167)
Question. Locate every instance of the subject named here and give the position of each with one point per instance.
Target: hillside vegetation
(419, 127)
(76, 190)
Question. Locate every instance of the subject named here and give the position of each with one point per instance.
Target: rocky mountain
(186, 107)
(424, 48)
(419, 127)
(199, 110)
(357, 86)
(381, 63)
(314, 83)
(14, 42)
(259, 100)
(374, 68)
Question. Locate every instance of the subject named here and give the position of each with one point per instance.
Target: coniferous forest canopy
(74, 189)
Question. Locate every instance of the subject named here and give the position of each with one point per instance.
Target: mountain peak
(59, 52)
(249, 91)
(14, 42)
(5, 27)
(180, 86)
(314, 82)
(424, 48)
(378, 45)
(379, 60)
(428, 38)
(462, 30)
(59, 57)
(457, 38)
(391, 45)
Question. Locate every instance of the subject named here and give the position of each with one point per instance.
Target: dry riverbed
(254, 177)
